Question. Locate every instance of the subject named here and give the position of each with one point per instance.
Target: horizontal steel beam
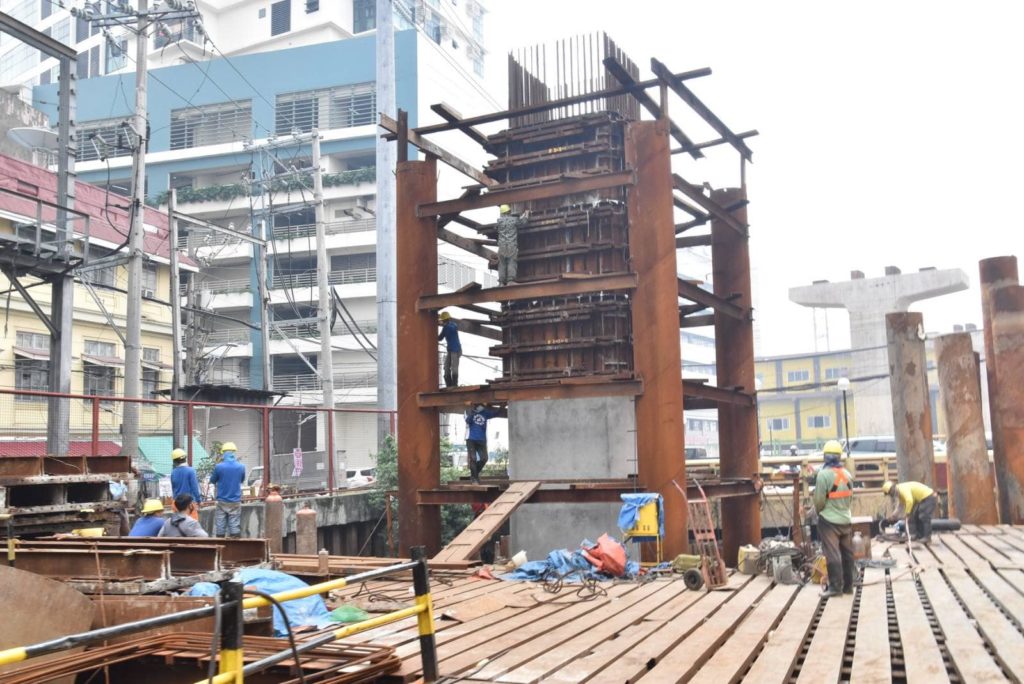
(692, 321)
(85, 564)
(712, 143)
(562, 287)
(585, 493)
(446, 112)
(470, 245)
(567, 186)
(457, 398)
(694, 293)
(473, 327)
(718, 395)
(40, 41)
(712, 207)
(685, 241)
(390, 125)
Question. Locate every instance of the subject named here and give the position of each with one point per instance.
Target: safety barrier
(228, 613)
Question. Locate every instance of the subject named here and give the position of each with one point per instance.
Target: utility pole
(178, 425)
(260, 252)
(323, 271)
(387, 328)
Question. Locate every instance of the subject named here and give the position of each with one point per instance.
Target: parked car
(362, 477)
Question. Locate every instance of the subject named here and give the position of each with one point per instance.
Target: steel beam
(1008, 343)
(457, 398)
(734, 353)
(567, 186)
(85, 564)
(584, 492)
(713, 143)
(390, 125)
(470, 245)
(474, 327)
(911, 401)
(696, 321)
(718, 395)
(655, 317)
(725, 305)
(683, 242)
(714, 208)
(419, 436)
(562, 287)
(447, 113)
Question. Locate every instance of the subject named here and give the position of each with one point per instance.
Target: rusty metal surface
(418, 429)
(1008, 346)
(970, 480)
(734, 354)
(186, 559)
(655, 319)
(496, 393)
(911, 402)
(95, 564)
(995, 274)
(233, 552)
(561, 287)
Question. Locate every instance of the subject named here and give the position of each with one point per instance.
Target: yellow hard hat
(179, 455)
(504, 209)
(152, 506)
(887, 486)
(228, 446)
(833, 446)
(445, 315)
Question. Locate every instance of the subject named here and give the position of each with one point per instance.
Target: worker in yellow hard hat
(183, 478)
(450, 334)
(833, 494)
(228, 476)
(508, 243)
(151, 521)
(917, 502)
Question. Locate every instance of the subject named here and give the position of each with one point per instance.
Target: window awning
(31, 353)
(108, 361)
(155, 365)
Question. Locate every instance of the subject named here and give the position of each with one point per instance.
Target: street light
(844, 386)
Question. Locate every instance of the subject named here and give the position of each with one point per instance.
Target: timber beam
(392, 126)
(584, 492)
(457, 398)
(561, 287)
(474, 327)
(470, 245)
(717, 395)
(447, 113)
(716, 210)
(698, 295)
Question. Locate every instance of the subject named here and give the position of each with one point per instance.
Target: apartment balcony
(308, 382)
(301, 333)
(220, 248)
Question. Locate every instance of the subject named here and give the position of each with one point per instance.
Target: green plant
(214, 193)
(204, 467)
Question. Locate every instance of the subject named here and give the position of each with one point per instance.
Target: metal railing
(308, 382)
(198, 238)
(40, 235)
(347, 277)
(227, 336)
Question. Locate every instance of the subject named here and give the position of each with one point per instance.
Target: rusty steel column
(655, 315)
(969, 476)
(1008, 349)
(996, 273)
(911, 407)
(734, 358)
(419, 432)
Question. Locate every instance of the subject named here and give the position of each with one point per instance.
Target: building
(100, 303)
(210, 121)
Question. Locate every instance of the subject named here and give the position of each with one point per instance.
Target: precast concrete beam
(1008, 348)
(971, 487)
(911, 407)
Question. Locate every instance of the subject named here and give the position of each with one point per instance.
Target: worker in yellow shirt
(915, 500)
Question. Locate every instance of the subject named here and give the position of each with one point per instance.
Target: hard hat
(179, 455)
(887, 486)
(504, 209)
(228, 446)
(445, 315)
(833, 446)
(152, 506)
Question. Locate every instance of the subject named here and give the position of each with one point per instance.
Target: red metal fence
(266, 435)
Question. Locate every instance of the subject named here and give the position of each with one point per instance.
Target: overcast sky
(891, 132)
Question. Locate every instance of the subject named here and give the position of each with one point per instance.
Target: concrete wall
(337, 510)
(568, 439)
(13, 114)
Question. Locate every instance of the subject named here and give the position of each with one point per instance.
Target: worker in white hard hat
(228, 476)
(151, 521)
(183, 478)
(450, 334)
(508, 243)
(915, 500)
(833, 494)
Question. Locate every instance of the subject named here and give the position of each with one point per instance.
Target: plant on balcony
(215, 193)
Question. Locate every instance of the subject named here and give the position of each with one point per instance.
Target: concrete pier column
(971, 488)
(1008, 413)
(911, 408)
(305, 532)
(273, 513)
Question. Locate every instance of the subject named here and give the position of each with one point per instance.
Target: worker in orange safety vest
(833, 493)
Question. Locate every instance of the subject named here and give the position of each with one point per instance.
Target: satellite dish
(34, 138)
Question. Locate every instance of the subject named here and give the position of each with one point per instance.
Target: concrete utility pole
(262, 290)
(387, 359)
(323, 315)
(178, 423)
(911, 405)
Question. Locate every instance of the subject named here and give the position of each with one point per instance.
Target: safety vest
(841, 481)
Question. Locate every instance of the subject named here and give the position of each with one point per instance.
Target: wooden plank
(992, 623)
(733, 656)
(922, 659)
(871, 650)
(824, 660)
(469, 542)
(776, 659)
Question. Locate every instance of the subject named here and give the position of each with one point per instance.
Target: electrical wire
(211, 668)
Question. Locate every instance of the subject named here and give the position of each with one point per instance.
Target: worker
(450, 334)
(916, 501)
(228, 476)
(792, 449)
(151, 520)
(476, 440)
(183, 478)
(182, 523)
(508, 243)
(833, 493)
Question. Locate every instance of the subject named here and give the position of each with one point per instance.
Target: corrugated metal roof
(38, 448)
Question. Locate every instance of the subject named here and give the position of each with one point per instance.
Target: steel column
(911, 405)
(734, 354)
(655, 311)
(969, 475)
(419, 434)
(995, 274)
(1008, 345)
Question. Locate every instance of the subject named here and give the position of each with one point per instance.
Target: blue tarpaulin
(630, 512)
(306, 611)
(571, 565)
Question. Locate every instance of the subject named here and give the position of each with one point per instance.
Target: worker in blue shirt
(228, 476)
(151, 521)
(450, 334)
(476, 439)
(183, 478)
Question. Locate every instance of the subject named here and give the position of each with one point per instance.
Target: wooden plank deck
(960, 621)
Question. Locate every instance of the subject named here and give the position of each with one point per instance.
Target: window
(798, 376)
(819, 421)
(148, 280)
(99, 380)
(478, 65)
(32, 340)
(432, 26)
(100, 348)
(338, 107)
(32, 375)
(105, 277)
(211, 124)
(312, 6)
(836, 373)
(151, 354)
(364, 15)
(117, 55)
(280, 17)
(104, 138)
(778, 423)
(17, 60)
(150, 383)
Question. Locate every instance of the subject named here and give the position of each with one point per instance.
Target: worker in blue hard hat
(228, 476)
(508, 243)
(833, 495)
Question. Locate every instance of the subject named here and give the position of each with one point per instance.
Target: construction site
(602, 546)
